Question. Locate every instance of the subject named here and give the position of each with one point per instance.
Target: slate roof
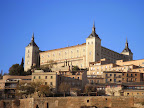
(32, 43)
(127, 50)
(93, 34)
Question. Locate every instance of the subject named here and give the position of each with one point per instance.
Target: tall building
(79, 55)
(31, 55)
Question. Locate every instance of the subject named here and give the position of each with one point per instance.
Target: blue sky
(59, 23)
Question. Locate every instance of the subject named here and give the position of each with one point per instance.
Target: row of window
(92, 43)
(97, 73)
(92, 68)
(51, 83)
(114, 80)
(131, 80)
(117, 69)
(139, 87)
(65, 73)
(122, 74)
(130, 75)
(92, 81)
(137, 94)
(63, 58)
(39, 77)
(65, 53)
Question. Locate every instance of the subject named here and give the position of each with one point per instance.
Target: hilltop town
(86, 75)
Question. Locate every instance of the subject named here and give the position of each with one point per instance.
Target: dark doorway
(37, 106)
(47, 105)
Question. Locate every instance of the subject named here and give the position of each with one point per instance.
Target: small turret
(93, 34)
(126, 49)
(32, 43)
(128, 55)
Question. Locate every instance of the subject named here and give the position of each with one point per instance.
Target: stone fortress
(79, 55)
(118, 79)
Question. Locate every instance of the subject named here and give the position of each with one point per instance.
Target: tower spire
(126, 44)
(94, 24)
(93, 28)
(93, 34)
(32, 37)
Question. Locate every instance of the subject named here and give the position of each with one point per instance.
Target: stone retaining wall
(76, 102)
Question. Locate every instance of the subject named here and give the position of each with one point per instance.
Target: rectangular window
(135, 74)
(92, 81)
(34, 77)
(39, 77)
(106, 80)
(45, 77)
(114, 80)
(110, 74)
(51, 77)
(45, 83)
(51, 83)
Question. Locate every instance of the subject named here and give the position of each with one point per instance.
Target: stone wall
(138, 99)
(76, 102)
(26, 103)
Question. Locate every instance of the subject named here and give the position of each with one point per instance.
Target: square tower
(93, 47)
(31, 55)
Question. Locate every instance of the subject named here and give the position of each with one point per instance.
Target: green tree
(17, 69)
(75, 68)
(28, 72)
(14, 70)
(21, 67)
(64, 88)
